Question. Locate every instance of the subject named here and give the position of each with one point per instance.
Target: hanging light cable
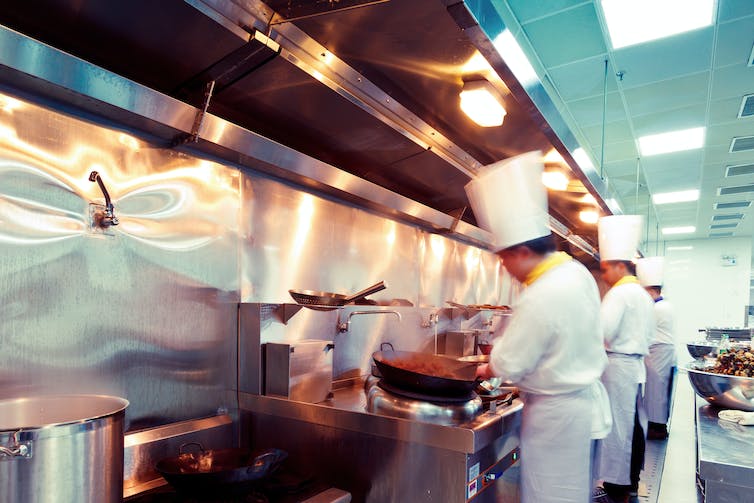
(604, 116)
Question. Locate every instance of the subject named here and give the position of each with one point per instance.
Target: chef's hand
(484, 371)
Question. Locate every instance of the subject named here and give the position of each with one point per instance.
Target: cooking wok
(220, 470)
(326, 301)
(426, 373)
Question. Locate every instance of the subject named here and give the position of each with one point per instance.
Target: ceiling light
(588, 199)
(554, 180)
(480, 102)
(679, 230)
(589, 216)
(639, 21)
(515, 58)
(674, 141)
(679, 248)
(612, 203)
(675, 197)
(579, 155)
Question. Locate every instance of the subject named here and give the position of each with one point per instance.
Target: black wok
(211, 471)
(426, 373)
(322, 301)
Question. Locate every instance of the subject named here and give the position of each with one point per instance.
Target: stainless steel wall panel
(145, 310)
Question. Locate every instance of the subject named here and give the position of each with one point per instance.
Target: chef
(552, 347)
(628, 325)
(661, 359)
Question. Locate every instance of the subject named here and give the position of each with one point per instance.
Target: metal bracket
(193, 137)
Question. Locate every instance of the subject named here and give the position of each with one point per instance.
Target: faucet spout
(345, 327)
(109, 217)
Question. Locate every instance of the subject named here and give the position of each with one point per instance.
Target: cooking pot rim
(105, 406)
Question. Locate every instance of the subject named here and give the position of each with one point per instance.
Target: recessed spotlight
(673, 141)
(589, 216)
(554, 180)
(480, 102)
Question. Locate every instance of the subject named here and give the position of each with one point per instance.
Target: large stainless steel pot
(62, 448)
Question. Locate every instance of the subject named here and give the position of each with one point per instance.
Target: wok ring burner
(387, 401)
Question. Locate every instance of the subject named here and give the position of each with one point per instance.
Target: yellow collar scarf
(549, 262)
(625, 280)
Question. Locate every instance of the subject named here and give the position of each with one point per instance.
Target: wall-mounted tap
(434, 319)
(345, 327)
(108, 218)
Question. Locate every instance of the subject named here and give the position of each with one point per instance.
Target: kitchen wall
(148, 309)
(705, 287)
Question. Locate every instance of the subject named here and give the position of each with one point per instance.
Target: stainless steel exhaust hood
(368, 87)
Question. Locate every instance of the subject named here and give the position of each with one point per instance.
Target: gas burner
(381, 399)
(425, 396)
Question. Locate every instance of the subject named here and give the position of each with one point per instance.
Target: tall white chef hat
(619, 236)
(509, 200)
(650, 271)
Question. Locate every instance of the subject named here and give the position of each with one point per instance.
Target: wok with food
(426, 373)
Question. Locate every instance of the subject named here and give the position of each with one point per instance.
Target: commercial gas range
(447, 453)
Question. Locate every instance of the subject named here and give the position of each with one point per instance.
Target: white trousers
(659, 362)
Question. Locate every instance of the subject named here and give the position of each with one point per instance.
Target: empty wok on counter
(326, 301)
(218, 471)
(426, 373)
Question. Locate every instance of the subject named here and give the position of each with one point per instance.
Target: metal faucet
(345, 327)
(109, 217)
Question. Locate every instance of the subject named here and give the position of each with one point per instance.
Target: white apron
(659, 362)
(622, 377)
(555, 447)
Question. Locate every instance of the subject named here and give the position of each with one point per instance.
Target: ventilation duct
(747, 106)
(742, 144)
(738, 189)
(723, 226)
(730, 206)
(734, 216)
(720, 234)
(740, 169)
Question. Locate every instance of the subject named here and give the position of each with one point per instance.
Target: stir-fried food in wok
(421, 365)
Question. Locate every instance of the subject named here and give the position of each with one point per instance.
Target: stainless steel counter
(347, 410)
(725, 459)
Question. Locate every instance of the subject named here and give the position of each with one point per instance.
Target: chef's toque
(619, 236)
(509, 200)
(650, 271)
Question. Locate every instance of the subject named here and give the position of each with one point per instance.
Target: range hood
(368, 87)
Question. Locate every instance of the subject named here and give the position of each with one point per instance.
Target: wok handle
(367, 291)
(201, 447)
(261, 464)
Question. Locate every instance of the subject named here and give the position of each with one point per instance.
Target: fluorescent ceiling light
(679, 230)
(674, 141)
(589, 216)
(579, 155)
(515, 58)
(612, 203)
(675, 197)
(480, 102)
(679, 248)
(631, 22)
(554, 180)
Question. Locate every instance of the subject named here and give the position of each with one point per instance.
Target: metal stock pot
(62, 448)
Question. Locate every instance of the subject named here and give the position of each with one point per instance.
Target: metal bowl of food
(700, 349)
(723, 390)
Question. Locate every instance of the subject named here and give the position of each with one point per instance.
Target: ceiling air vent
(720, 234)
(730, 206)
(751, 57)
(738, 189)
(734, 216)
(740, 169)
(742, 143)
(723, 226)
(747, 106)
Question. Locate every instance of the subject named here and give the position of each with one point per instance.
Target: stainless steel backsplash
(147, 310)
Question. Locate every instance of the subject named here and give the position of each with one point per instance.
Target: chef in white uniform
(628, 326)
(552, 346)
(661, 359)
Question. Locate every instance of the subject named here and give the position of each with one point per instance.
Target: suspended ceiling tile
(677, 210)
(670, 120)
(734, 41)
(526, 10)
(734, 9)
(667, 58)
(569, 36)
(732, 81)
(588, 112)
(621, 168)
(619, 151)
(723, 134)
(711, 172)
(726, 110)
(684, 169)
(718, 154)
(614, 132)
(668, 94)
(582, 79)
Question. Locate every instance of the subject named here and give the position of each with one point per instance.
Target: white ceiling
(693, 79)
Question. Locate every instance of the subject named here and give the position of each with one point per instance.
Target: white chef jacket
(553, 343)
(664, 323)
(628, 320)
(552, 349)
